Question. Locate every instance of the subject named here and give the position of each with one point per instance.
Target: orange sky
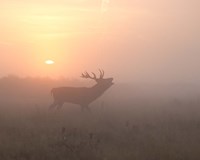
(130, 40)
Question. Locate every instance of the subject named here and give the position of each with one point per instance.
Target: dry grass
(143, 131)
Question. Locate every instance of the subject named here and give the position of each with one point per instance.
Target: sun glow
(49, 62)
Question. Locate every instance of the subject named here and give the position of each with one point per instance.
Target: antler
(86, 75)
(101, 74)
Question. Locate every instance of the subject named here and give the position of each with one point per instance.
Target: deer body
(82, 96)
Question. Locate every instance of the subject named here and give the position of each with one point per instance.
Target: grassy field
(145, 130)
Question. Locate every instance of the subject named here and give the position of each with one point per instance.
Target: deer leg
(53, 105)
(85, 107)
(82, 108)
(60, 105)
(88, 108)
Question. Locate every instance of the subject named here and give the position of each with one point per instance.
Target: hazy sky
(132, 40)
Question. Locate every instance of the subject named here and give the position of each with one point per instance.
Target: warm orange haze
(157, 40)
(99, 79)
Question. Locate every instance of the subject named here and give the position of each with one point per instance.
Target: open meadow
(118, 127)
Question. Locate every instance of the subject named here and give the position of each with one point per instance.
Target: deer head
(101, 81)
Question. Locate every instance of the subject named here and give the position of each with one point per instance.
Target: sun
(49, 62)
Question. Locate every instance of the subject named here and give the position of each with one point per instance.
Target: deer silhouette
(82, 96)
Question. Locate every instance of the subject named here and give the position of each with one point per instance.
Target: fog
(150, 49)
(138, 41)
(128, 121)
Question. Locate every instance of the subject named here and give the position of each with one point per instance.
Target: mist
(124, 82)
(132, 41)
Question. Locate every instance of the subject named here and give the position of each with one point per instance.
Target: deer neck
(99, 89)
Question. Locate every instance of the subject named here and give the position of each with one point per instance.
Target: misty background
(133, 41)
(150, 48)
(31, 92)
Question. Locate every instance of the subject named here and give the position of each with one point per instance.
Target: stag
(82, 96)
